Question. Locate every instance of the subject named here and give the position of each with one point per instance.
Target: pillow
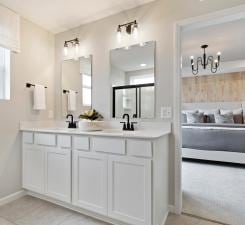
(183, 118)
(237, 114)
(195, 117)
(209, 114)
(225, 118)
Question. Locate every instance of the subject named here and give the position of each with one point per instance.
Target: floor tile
(5, 222)
(47, 214)
(19, 208)
(79, 219)
(181, 220)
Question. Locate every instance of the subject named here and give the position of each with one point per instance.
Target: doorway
(220, 17)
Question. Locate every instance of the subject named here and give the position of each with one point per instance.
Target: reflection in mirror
(76, 85)
(133, 81)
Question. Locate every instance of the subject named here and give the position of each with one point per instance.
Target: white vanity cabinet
(46, 167)
(129, 190)
(58, 173)
(121, 180)
(90, 181)
(33, 168)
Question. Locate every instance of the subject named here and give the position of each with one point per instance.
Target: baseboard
(12, 197)
(165, 218)
(171, 209)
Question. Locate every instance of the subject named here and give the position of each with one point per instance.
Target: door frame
(217, 17)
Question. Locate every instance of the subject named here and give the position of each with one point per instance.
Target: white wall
(156, 21)
(34, 64)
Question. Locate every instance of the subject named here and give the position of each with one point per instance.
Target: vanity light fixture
(131, 28)
(143, 65)
(204, 61)
(74, 44)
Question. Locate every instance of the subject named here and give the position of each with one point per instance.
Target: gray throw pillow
(225, 118)
(183, 118)
(237, 114)
(195, 117)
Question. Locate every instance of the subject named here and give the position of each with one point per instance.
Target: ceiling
(228, 38)
(131, 59)
(60, 15)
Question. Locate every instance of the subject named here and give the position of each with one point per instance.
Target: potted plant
(90, 120)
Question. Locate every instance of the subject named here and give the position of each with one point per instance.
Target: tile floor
(32, 211)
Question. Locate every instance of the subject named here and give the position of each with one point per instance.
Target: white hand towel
(72, 101)
(39, 97)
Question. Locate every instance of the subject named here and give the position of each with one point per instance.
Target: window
(87, 90)
(141, 79)
(4, 74)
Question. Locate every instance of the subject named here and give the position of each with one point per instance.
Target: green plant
(91, 114)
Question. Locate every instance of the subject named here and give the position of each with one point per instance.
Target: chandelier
(205, 61)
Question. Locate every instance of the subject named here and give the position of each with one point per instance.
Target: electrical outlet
(166, 112)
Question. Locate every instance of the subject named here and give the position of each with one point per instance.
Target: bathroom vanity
(120, 177)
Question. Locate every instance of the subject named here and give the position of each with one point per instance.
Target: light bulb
(192, 57)
(135, 31)
(77, 48)
(119, 35)
(65, 49)
(218, 53)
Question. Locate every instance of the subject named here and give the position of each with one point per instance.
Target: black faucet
(127, 125)
(72, 123)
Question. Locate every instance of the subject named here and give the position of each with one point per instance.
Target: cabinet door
(33, 168)
(129, 190)
(90, 181)
(58, 173)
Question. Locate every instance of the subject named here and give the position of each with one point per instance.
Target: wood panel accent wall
(214, 88)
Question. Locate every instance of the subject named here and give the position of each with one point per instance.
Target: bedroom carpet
(214, 192)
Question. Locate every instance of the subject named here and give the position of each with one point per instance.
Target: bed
(214, 142)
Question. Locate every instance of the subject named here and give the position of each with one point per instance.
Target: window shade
(9, 29)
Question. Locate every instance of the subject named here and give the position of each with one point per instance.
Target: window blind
(9, 29)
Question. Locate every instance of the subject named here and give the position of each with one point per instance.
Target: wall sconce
(74, 44)
(131, 28)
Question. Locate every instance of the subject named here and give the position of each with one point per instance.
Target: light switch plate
(166, 112)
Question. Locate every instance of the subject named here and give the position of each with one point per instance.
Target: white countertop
(145, 133)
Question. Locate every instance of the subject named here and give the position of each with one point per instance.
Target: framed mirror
(133, 81)
(76, 85)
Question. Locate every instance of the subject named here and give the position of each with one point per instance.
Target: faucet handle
(132, 125)
(124, 125)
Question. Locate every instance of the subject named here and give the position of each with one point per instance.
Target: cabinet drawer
(80, 143)
(139, 148)
(45, 139)
(28, 137)
(110, 145)
(64, 141)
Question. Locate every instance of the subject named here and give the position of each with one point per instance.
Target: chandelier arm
(214, 69)
(195, 71)
(214, 66)
(210, 58)
(200, 60)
